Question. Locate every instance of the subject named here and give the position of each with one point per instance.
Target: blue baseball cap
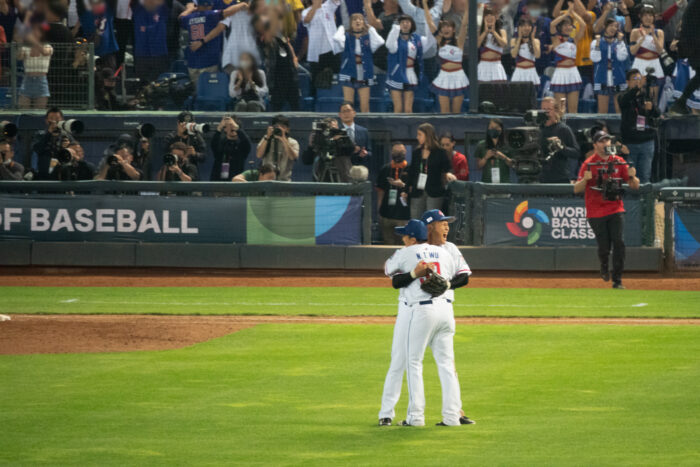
(204, 2)
(435, 215)
(415, 229)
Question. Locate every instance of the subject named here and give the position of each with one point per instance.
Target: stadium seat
(307, 104)
(587, 106)
(304, 84)
(212, 92)
(423, 100)
(329, 100)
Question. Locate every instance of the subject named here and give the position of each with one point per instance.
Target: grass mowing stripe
(345, 301)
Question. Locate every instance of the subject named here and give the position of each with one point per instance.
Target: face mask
(493, 133)
(535, 12)
(398, 157)
(245, 64)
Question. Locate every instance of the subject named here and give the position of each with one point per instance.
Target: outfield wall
(234, 256)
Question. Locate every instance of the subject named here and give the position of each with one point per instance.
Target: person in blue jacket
(609, 55)
(97, 25)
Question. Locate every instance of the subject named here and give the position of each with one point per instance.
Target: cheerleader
(451, 83)
(647, 44)
(566, 80)
(492, 39)
(406, 49)
(525, 49)
(357, 66)
(681, 75)
(609, 56)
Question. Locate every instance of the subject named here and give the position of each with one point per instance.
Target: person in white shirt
(319, 19)
(248, 85)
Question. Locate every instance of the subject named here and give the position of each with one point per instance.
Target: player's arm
(401, 280)
(460, 280)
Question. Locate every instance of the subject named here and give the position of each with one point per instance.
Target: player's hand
(632, 172)
(422, 269)
(587, 175)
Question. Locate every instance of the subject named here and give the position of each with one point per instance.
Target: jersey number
(197, 32)
(437, 270)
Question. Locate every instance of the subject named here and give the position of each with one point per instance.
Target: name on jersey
(428, 255)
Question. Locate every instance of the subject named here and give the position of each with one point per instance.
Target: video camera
(8, 129)
(536, 117)
(525, 142)
(173, 87)
(609, 185)
(329, 142)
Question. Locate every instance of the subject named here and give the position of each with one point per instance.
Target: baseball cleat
(440, 424)
(385, 422)
(464, 420)
(405, 423)
(618, 285)
(604, 273)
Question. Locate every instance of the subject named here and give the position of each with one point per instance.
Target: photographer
(330, 151)
(176, 167)
(637, 122)
(9, 169)
(71, 164)
(278, 148)
(47, 142)
(392, 194)
(266, 172)
(558, 144)
(118, 166)
(231, 146)
(193, 139)
(604, 207)
(142, 157)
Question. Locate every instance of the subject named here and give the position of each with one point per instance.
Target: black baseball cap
(600, 136)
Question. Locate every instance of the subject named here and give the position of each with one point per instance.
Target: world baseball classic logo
(527, 223)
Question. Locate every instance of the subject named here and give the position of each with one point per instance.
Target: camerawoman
(601, 177)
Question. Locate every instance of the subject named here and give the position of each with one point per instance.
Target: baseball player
(413, 233)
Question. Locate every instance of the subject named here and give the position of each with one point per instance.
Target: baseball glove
(435, 285)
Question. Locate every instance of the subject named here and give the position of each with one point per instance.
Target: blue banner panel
(518, 221)
(686, 237)
(108, 218)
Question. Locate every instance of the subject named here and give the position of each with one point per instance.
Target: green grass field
(282, 394)
(345, 301)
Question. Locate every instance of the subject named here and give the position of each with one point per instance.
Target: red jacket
(460, 168)
(596, 206)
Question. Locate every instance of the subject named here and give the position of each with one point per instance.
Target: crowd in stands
(392, 49)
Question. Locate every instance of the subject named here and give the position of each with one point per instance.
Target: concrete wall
(178, 255)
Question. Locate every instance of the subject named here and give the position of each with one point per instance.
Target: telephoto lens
(8, 130)
(170, 160)
(112, 161)
(64, 156)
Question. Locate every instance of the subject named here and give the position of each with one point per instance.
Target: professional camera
(72, 126)
(525, 142)
(113, 161)
(329, 142)
(145, 130)
(8, 130)
(536, 117)
(158, 94)
(170, 159)
(277, 131)
(553, 147)
(609, 186)
(64, 156)
(196, 128)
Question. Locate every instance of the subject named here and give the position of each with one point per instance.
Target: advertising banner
(686, 237)
(518, 221)
(300, 220)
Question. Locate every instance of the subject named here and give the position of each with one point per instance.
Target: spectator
(418, 14)
(231, 146)
(265, 173)
(451, 83)
(460, 167)
(282, 79)
(558, 145)
(118, 166)
(9, 169)
(638, 112)
(278, 148)
(150, 35)
(105, 96)
(525, 49)
(75, 169)
(319, 19)
(240, 36)
(566, 80)
(59, 36)
(142, 157)
(358, 134)
(584, 25)
(204, 51)
(392, 194)
(36, 55)
(647, 44)
(492, 39)
(430, 171)
(47, 142)
(389, 15)
(492, 154)
(357, 66)
(97, 24)
(192, 139)
(176, 167)
(406, 50)
(609, 54)
(541, 24)
(610, 11)
(124, 26)
(248, 85)
(10, 13)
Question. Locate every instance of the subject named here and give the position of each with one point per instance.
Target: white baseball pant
(432, 325)
(397, 367)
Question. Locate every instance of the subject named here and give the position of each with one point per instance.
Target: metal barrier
(71, 77)
(681, 228)
(469, 205)
(132, 189)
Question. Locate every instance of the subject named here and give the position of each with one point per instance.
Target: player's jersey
(402, 298)
(406, 259)
(462, 266)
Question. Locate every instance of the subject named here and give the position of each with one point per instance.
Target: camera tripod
(329, 172)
